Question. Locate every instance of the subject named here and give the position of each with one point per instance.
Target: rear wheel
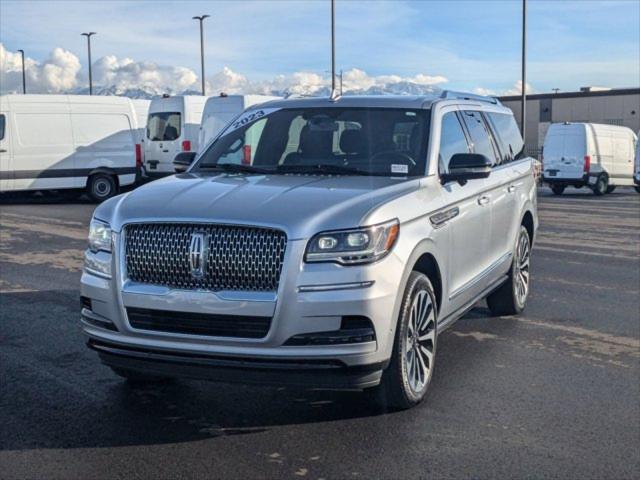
(134, 376)
(408, 376)
(101, 186)
(611, 188)
(557, 189)
(601, 186)
(637, 189)
(511, 297)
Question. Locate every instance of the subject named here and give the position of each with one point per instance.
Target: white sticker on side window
(397, 168)
(248, 117)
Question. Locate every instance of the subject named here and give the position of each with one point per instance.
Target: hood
(301, 205)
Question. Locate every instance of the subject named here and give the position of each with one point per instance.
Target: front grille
(199, 323)
(238, 257)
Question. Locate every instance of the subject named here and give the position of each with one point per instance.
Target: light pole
(201, 19)
(88, 35)
(333, 48)
(523, 117)
(24, 80)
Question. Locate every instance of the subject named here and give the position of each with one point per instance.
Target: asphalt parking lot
(553, 393)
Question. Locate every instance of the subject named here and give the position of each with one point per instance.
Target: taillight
(186, 145)
(138, 155)
(246, 155)
(587, 164)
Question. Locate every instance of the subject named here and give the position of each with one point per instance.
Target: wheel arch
(106, 170)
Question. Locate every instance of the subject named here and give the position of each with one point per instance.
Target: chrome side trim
(484, 274)
(335, 286)
(441, 218)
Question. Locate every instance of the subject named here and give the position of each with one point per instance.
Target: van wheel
(637, 189)
(557, 189)
(511, 297)
(101, 186)
(601, 186)
(408, 376)
(611, 188)
(134, 376)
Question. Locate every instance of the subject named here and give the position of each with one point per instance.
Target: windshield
(358, 141)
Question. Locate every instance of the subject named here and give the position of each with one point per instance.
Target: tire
(637, 187)
(557, 189)
(407, 379)
(601, 186)
(133, 376)
(101, 186)
(611, 188)
(511, 297)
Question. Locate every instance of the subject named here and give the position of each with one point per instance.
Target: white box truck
(172, 127)
(220, 110)
(68, 142)
(600, 157)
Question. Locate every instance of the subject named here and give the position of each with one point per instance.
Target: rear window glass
(506, 128)
(163, 126)
(1, 127)
(480, 136)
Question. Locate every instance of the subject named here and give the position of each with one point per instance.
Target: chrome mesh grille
(239, 258)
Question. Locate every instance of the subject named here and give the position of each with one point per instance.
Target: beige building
(610, 106)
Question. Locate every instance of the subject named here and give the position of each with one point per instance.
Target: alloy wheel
(521, 283)
(420, 341)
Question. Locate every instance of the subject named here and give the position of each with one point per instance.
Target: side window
(2, 127)
(508, 133)
(452, 141)
(480, 136)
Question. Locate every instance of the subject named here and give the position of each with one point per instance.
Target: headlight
(352, 247)
(99, 236)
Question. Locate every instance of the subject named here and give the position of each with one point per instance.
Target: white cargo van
(67, 142)
(219, 111)
(588, 155)
(141, 108)
(172, 127)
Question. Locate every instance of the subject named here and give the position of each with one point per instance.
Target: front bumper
(295, 310)
(250, 370)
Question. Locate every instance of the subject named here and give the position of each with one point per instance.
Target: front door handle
(483, 200)
(2, 150)
(511, 189)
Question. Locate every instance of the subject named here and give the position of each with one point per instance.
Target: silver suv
(318, 242)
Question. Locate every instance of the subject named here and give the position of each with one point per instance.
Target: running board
(450, 319)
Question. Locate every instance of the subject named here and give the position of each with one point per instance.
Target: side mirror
(467, 166)
(183, 161)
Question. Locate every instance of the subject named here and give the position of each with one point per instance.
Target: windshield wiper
(321, 168)
(236, 168)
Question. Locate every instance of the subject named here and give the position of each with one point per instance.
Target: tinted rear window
(163, 126)
(1, 127)
(480, 136)
(506, 128)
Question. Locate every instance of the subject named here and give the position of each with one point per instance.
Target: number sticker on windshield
(248, 117)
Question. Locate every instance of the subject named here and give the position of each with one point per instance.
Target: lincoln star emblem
(198, 251)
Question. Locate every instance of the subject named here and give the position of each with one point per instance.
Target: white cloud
(58, 73)
(124, 76)
(516, 89)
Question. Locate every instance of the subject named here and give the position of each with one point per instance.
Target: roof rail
(451, 95)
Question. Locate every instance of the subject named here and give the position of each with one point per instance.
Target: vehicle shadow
(56, 394)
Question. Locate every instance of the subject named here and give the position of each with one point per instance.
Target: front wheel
(511, 297)
(601, 186)
(408, 376)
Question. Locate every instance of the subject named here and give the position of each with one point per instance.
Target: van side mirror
(467, 166)
(183, 161)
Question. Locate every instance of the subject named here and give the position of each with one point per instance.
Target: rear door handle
(2, 150)
(511, 189)
(483, 200)
(165, 151)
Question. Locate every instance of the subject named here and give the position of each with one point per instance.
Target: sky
(469, 45)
